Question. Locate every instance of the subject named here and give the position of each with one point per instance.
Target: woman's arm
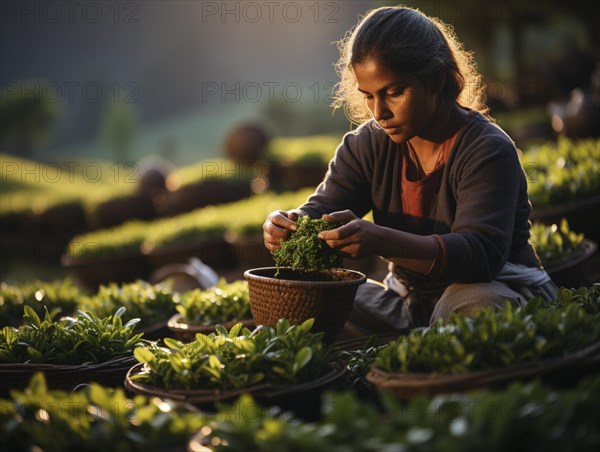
(488, 183)
(357, 238)
(345, 186)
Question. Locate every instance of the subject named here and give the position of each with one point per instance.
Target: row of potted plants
(521, 417)
(564, 254)
(94, 418)
(161, 311)
(291, 360)
(563, 181)
(60, 295)
(221, 236)
(71, 350)
(564, 171)
(492, 347)
(37, 196)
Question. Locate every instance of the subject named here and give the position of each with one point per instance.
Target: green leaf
(302, 358)
(221, 330)
(35, 355)
(307, 325)
(176, 363)
(37, 384)
(172, 343)
(235, 329)
(30, 316)
(143, 355)
(214, 362)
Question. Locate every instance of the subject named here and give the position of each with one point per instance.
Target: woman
(447, 191)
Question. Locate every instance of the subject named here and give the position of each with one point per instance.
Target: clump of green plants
(553, 242)
(222, 303)
(238, 358)
(527, 417)
(588, 298)
(491, 339)
(358, 364)
(56, 296)
(563, 171)
(109, 244)
(82, 339)
(305, 252)
(316, 150)
(151, 303)
(93, 419)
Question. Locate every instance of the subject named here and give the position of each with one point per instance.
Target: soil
(321, 276)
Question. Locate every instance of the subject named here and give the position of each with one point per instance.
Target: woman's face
(400, 103)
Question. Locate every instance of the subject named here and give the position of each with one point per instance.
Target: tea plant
(521, 418)
(587, 298)
(205, 224)
(23, 194)
(109, 244)
(218, 304)
(563, 171)
(315, 150)
(79, 340)
(58, 296)
(150, 303)
(94, 419)
(552, 242)
(358, 363)
(491, 339)
(235, 359)
(304, 251)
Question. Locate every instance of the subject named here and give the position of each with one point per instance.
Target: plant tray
(267, 394)
(66, 376)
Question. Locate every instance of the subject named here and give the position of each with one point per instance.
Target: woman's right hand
(277, 227)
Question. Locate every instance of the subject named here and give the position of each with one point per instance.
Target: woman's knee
(468, 298)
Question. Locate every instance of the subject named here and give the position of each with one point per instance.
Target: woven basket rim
(437, 381)
(336, 369)
(585, 250)
(250, 275)
(175, 323)
(11, 368)
(564, 207)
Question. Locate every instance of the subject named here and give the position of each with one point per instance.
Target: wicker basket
(571, 270)
(67, 376)
(405, 386)
(328, 298)
(186, 333)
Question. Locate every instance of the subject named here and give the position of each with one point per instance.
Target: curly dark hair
(407, 41)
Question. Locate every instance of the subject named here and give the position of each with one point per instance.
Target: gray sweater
(482, 210)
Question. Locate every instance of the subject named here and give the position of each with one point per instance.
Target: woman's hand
(277, 227)
(356, 238)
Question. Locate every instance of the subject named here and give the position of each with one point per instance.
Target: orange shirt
(419, 195)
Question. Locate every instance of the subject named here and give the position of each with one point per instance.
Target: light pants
(379, 310)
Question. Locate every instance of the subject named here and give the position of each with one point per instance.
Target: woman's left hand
(356, 238)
